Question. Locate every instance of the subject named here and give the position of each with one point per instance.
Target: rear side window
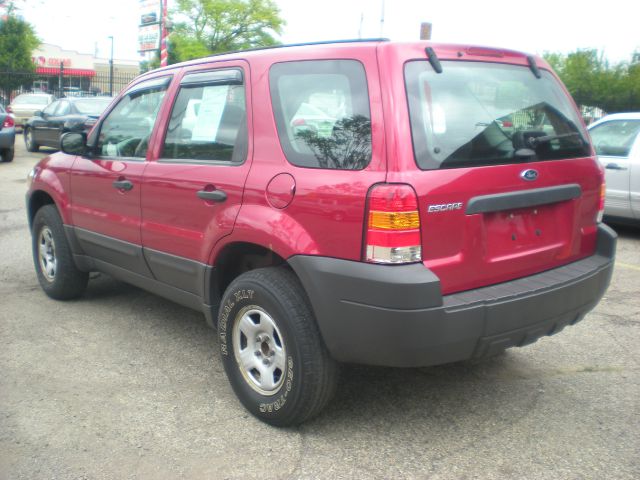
(615, 138)
(476, 113)
(322, 113)
(209, 119)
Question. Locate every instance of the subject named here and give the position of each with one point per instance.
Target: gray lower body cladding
(395, 315)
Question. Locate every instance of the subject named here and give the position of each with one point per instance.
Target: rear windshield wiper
(535, 141)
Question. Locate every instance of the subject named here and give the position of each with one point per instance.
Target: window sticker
(214, 99)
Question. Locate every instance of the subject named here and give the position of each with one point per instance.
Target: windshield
(32, 100)
(478, 113)
(93, 106)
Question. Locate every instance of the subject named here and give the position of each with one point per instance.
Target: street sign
(425, 31)
(149, 29)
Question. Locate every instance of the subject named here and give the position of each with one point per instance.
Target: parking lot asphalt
(122, 384)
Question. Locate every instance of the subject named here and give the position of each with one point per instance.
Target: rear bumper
(396, 316)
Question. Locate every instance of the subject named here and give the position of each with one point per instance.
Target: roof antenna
(382, 20)
(360, 27)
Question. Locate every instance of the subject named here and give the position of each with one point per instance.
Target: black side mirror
(37, 113)
(73, 143)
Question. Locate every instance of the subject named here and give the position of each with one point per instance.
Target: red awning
(72, 72)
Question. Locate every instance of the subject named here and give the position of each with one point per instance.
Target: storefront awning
(71, 72)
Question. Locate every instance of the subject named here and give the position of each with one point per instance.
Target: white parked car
(616, 139)
(25, 105)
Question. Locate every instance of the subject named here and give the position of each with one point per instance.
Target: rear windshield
(476, 113)
(32, 100)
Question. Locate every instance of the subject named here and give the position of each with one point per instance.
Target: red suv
(364, 202)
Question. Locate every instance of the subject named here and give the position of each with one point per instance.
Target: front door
(192, 191)
(106, 189)
(40, 129)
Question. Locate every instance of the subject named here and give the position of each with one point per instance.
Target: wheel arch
(234, 259)
(37, 200)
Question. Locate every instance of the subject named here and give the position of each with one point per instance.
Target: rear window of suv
(476, 113)
(322, 113)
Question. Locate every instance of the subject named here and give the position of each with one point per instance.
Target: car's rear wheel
(272, 350)
(57, 273)
(29, 141)
(7, 154)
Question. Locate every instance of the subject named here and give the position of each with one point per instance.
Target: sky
(533, 27)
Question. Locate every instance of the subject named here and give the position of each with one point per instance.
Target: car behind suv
(442, 203)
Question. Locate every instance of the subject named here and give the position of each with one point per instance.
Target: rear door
(192, 191)
(105, 189)
(505, 184)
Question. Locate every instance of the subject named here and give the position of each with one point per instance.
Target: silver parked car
(616, 139)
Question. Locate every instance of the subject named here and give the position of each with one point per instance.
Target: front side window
(322, 113)
(208, 123)
(125, 132)
(615, 137)
(476, 113)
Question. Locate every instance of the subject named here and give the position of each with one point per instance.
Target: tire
(266, 324)
(7, 155)
(57, 273)
(29, 142)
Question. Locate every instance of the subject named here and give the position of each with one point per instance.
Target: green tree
(593, 82)
(205, 27)
(17, 42)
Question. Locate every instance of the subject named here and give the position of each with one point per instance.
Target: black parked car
(61, 116)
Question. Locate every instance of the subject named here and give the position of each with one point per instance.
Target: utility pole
(111, 69)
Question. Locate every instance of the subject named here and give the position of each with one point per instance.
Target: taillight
(393, 225)
(603, 194)
(8, 122)
(298, 122)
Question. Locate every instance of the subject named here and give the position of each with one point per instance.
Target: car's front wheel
(57, 273)
(29, 141)
(272, 350)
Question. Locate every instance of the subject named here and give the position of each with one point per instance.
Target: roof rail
(257, 49)
(287, 45)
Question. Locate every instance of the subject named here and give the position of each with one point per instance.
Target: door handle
(614, 166)
(212, 195)
(123, 185)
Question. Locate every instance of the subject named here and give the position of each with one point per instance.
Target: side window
(126, 130)
(615, 138)
(51, 108)
(63, 109)
(322, 113)
(209, 119)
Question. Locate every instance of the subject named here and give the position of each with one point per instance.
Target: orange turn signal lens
(394, 220)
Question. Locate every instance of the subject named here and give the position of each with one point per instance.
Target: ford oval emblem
(529, 175)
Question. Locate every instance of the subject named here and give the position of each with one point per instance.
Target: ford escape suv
(365, 202)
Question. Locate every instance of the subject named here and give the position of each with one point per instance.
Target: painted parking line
(628, 265)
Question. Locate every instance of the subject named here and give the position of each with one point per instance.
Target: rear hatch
(505, 182)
